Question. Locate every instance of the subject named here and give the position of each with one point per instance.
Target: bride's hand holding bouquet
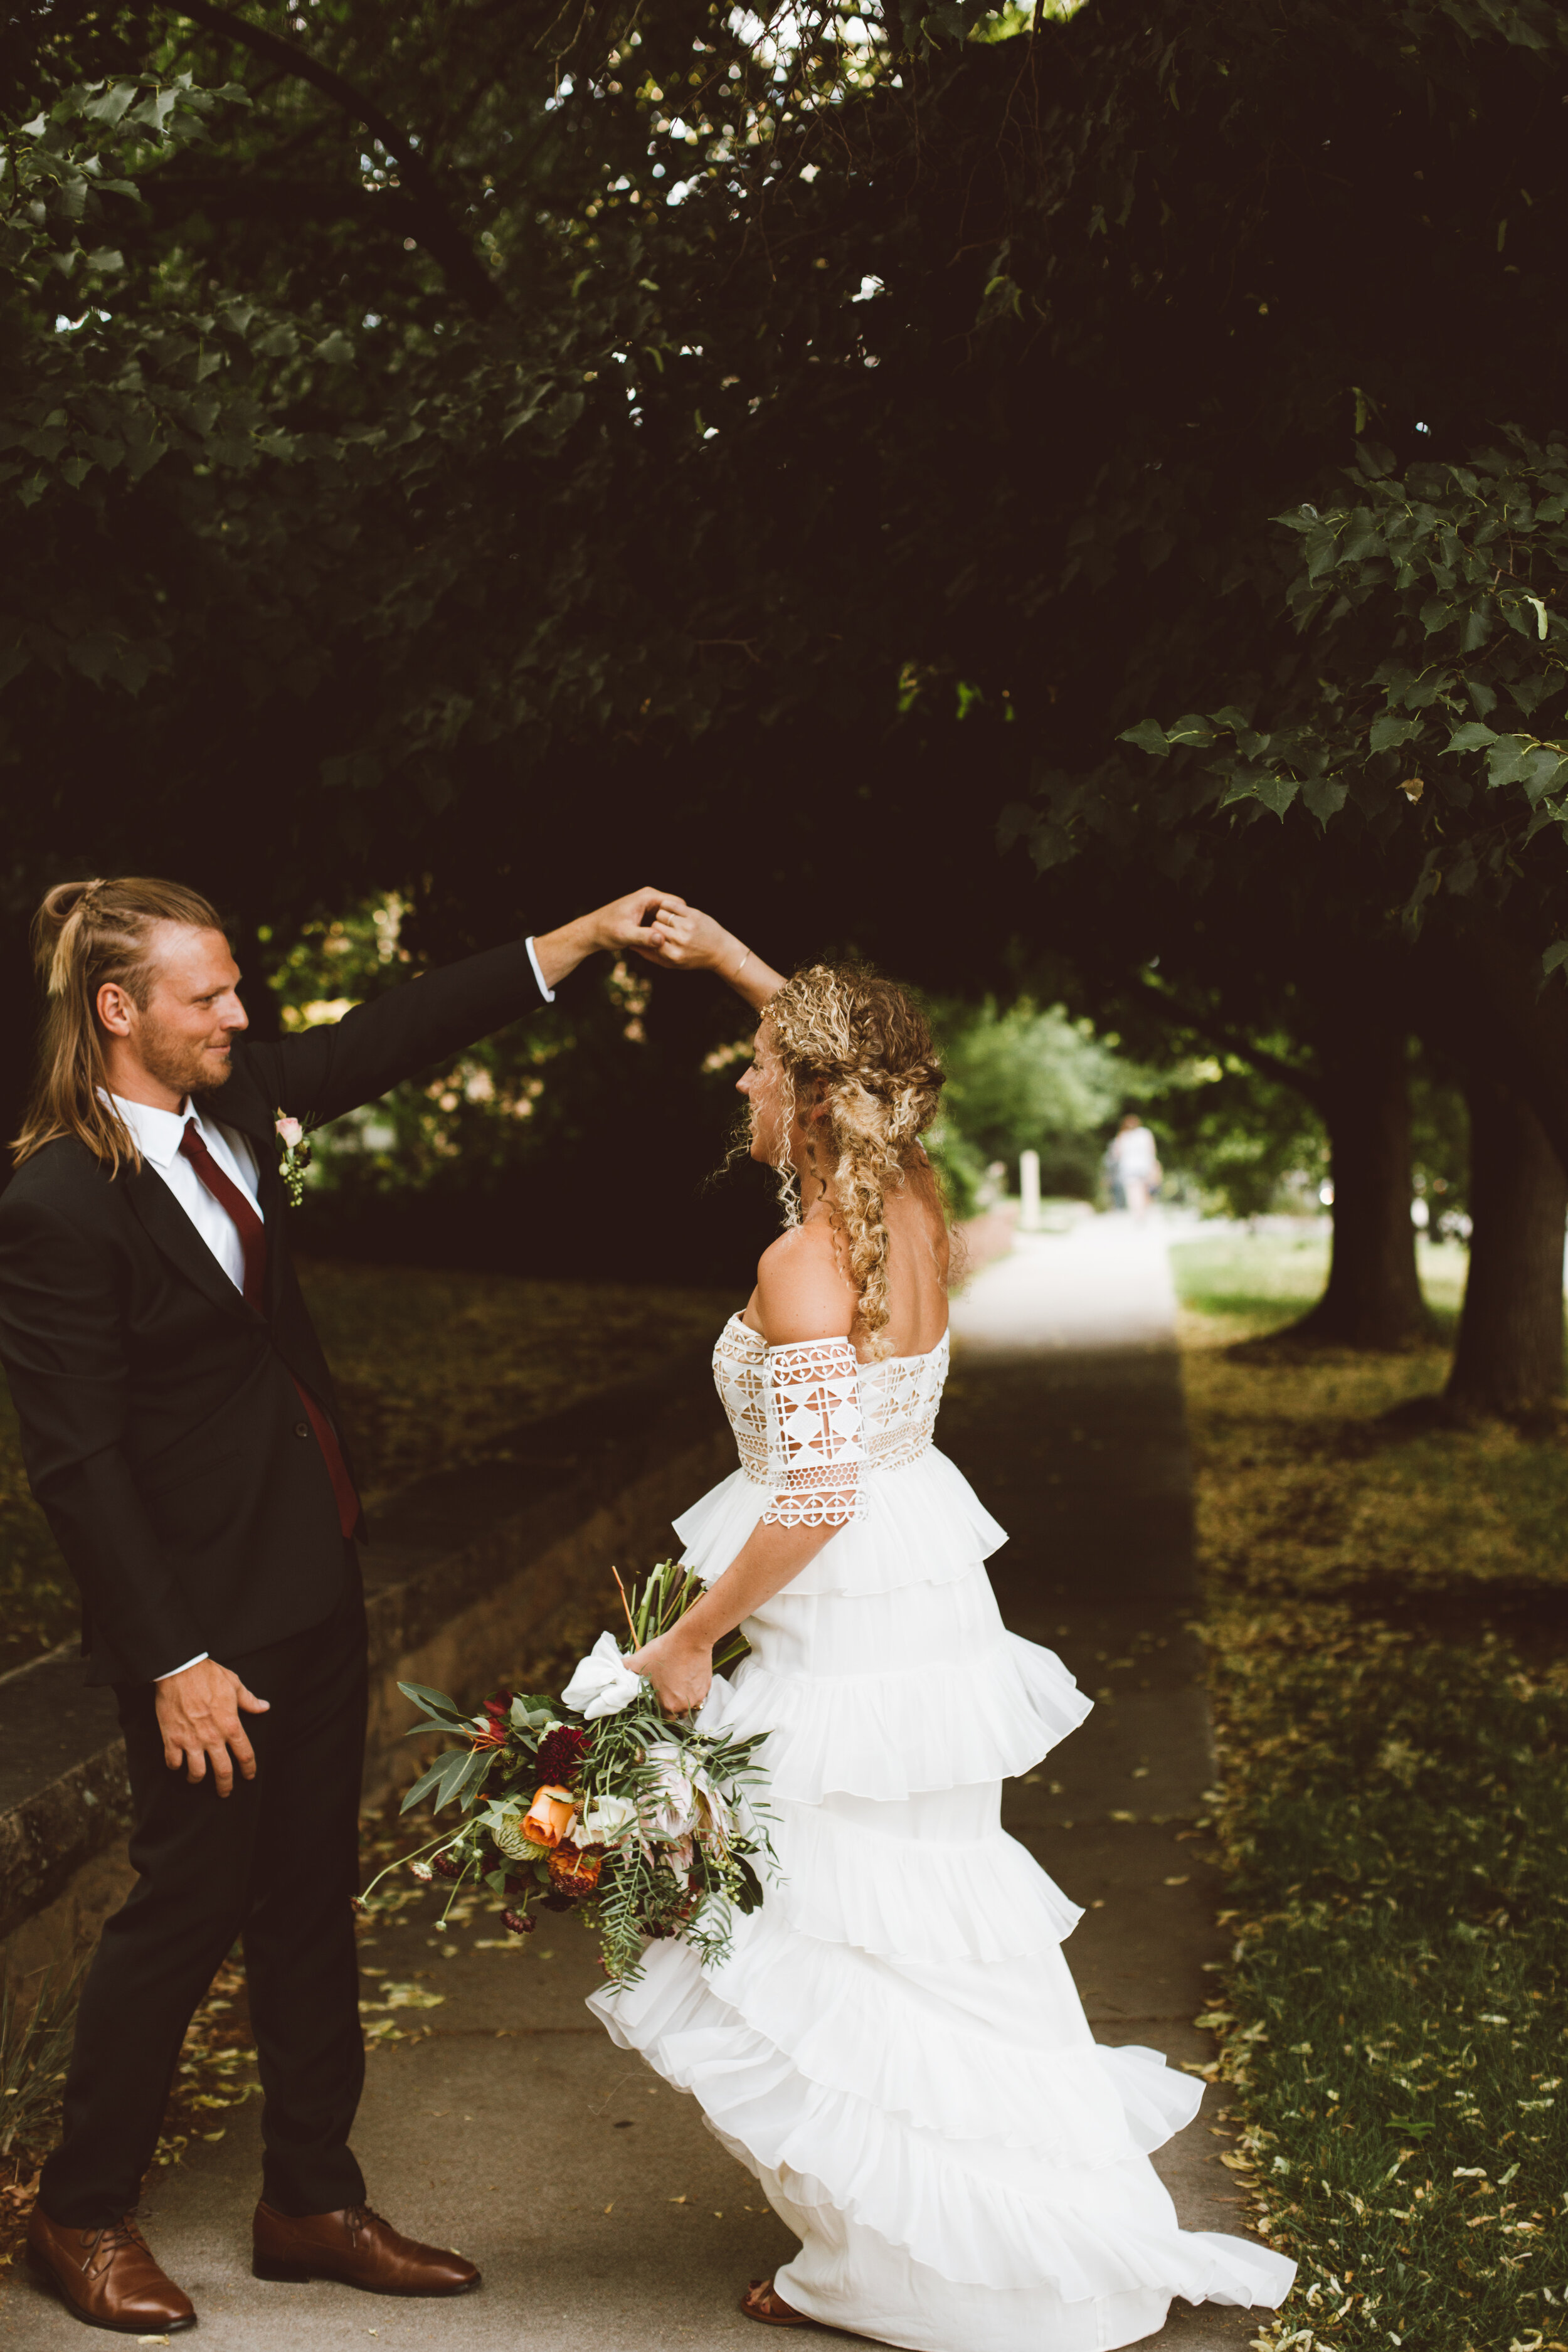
(680, 1665)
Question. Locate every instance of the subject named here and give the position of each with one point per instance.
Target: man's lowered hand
(198, 1715)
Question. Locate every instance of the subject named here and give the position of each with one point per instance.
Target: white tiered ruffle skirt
(895, 2046)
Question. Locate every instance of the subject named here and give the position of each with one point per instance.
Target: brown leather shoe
(358, 2248)
(107, 2277)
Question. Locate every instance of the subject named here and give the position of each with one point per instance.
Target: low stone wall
(463, 1572)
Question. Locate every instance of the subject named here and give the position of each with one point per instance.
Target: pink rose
(289, 1132)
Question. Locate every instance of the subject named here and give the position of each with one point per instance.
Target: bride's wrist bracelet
(739, 967)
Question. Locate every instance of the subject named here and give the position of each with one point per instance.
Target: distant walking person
(1135, 1169)
(181, 1432)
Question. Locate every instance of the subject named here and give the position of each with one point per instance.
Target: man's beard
(178, 1064)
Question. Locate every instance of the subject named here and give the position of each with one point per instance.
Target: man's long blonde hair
(861, 1048)
(84, 935)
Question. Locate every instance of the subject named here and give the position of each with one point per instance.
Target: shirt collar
(157, 1133)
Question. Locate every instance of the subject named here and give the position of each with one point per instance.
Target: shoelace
(113, 2238)
(361, 2217)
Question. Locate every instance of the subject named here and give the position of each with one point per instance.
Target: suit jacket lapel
(274, 1206)
(173, 1230)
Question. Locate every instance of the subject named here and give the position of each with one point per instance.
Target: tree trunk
(1508, 1359)
(1373, 1296)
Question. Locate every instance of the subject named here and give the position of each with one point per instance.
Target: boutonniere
(293, 1155)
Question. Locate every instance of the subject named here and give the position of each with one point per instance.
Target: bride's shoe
(760, 2303)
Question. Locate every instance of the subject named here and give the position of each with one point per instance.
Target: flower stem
(626, 1605)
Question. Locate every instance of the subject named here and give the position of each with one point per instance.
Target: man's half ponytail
(86, 934)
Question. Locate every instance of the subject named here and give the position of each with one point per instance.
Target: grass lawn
(1386, 1619)
(435, 1369)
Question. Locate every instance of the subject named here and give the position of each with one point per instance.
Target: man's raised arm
(333, 1068)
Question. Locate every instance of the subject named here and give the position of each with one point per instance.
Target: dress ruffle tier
(925, 1525)
(894, 2046)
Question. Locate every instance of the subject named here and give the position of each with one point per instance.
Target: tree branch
(436, 230)
(172, 196)
(1231, 1041)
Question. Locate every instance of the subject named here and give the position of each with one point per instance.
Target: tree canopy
(454, 450)
(938, 419)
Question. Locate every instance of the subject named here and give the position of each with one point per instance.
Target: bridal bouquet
(599, 1802)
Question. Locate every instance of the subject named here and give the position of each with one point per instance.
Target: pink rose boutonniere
(293, 1155)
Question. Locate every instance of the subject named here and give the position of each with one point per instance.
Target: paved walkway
(606, 2218)
(1066, 1411)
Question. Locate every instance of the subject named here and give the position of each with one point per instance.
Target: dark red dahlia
(556, 1901)
(450, 1865)
(517, 1922)
(561, 1754)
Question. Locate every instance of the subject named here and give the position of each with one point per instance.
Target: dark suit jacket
(162, 1431)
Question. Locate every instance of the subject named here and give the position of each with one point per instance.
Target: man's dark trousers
(277, 1863)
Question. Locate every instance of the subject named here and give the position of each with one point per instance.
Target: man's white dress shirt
(156, 1135)
(548, 993)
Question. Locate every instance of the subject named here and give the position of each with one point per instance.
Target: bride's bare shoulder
(802, 1292)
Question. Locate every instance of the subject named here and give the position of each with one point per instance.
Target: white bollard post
(1029, 1192)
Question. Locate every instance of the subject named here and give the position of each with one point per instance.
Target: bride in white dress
(895, 2046)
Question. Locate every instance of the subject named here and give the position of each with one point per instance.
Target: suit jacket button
(301, 1429)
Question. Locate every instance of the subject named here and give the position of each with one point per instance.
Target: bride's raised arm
(804, 1308)
(683, 939)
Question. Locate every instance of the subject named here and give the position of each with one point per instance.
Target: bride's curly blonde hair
(862, 1049)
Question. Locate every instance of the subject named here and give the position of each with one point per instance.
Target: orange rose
(575, 1869)
(549, 1817)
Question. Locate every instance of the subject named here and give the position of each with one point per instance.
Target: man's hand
(620, 928)
(198, 1715)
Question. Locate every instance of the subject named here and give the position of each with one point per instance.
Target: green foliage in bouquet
(599, 1802)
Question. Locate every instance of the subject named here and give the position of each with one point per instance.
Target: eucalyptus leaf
(427, 1782)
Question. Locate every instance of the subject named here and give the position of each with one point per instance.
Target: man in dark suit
(182, 1434)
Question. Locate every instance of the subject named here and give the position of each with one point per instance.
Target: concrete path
(1066, 1412)
(606, 2218)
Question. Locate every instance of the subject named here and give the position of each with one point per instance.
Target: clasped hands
(657, 925)
(198, 1716)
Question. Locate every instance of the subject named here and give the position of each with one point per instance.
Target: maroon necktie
(253, 1242)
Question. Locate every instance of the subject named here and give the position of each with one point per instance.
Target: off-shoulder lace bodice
(811, 1422)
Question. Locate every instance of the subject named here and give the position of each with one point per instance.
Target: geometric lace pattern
(896, 1401)
(814, 1450)
(738, 1361)
(900, 1401)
